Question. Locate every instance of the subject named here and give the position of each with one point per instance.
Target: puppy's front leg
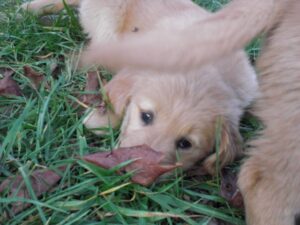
(40, 7)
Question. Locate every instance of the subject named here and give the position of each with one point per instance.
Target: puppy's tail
(228, 30)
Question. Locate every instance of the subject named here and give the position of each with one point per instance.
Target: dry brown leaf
(230, 190)
(9, 86)
(147, 165)
(35, 77)
(41, 182)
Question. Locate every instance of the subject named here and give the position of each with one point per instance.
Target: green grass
(44, 128)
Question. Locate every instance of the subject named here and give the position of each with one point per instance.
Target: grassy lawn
(43, 128)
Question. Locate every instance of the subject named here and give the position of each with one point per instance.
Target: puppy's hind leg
(40, 7)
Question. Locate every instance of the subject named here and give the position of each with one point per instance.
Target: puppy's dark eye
(183, 144)
(147, 117)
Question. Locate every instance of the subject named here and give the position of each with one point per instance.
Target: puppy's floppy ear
(228, 145)
(119, 91)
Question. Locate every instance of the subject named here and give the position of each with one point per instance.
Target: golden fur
(185, 105)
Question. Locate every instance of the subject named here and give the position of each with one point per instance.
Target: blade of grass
(11, 135)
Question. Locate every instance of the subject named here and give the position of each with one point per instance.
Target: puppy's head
(179, 116)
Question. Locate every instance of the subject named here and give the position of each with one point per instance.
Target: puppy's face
(177, 116)
(171, 126)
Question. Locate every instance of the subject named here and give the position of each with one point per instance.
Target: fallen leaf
(36, 78)
(146, 162)
(9, 86)
(229, 188)
(41, 182)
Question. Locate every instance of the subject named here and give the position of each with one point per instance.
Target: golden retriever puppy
(176, 113)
